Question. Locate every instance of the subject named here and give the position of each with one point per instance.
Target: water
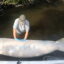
(47, 22)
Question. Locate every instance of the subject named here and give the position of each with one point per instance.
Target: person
(21, 27)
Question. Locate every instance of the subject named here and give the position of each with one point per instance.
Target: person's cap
(22, 17)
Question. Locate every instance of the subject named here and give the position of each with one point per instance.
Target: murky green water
(47, 22)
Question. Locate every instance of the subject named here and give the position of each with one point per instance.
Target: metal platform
(33, 62)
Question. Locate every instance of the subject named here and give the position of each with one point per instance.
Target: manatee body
(27, 48)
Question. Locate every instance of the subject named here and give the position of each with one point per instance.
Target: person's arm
(26, 35)
(14, 28)
(14, 33)
(27, 26)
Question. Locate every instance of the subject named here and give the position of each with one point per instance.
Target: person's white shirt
(21, 27)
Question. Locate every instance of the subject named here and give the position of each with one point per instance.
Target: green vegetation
(10, 1)
(27, 2)
(16, 1)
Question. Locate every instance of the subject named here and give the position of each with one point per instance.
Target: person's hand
(20, 39)
(17, 39)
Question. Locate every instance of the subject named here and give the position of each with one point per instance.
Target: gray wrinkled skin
(29, 48)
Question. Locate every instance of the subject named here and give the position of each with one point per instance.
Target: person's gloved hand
(20, 39)
(17, 39)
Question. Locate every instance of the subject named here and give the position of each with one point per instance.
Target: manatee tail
(60, 44)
